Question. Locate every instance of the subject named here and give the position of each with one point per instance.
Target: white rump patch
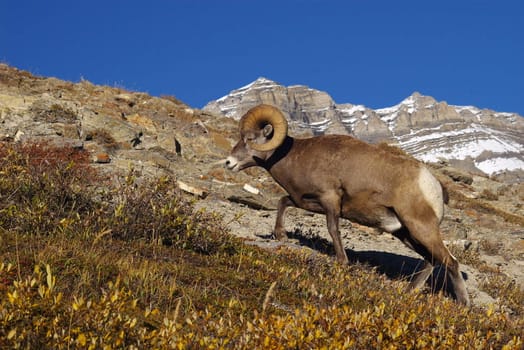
(390, 224)
(432, 191)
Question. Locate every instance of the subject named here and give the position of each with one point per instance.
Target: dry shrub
(173, 99)
(157, 212)
(490, 247)
(45, 190)
(33, 314)
(103, 137)
(463, 202)
(465, 256)
(56, 113)
(42, 186)
(489, 195)
(506, 291)
(220, 141)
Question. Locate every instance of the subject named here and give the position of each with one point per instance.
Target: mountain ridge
(481, 140)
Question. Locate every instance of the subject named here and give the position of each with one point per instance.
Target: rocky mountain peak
(410, 104)
(260, 83)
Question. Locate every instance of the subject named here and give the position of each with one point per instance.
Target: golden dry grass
(85, 263)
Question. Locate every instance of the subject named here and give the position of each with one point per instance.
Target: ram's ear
(267, 130)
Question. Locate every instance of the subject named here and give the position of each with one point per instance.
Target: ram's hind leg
(441, 254)
(426, 240)
(420, 277)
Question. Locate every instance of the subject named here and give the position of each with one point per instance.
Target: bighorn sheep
(340, 176)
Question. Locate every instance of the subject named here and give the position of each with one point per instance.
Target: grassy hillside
(88, 261)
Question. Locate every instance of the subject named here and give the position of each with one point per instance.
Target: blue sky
(374, 53)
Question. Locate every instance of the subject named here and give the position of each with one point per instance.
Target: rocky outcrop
(485, 141)
(121, 130)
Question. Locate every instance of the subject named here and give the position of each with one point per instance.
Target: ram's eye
(250, 138)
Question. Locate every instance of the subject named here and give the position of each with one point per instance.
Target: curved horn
(260, 116)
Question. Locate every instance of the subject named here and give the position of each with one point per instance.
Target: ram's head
(262, 130)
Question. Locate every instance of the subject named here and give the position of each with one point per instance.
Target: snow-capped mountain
(472, 138)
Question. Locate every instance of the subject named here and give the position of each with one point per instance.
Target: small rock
(519, 233)
(251, 189)
(102, 158)
(142, 121)
(464, 244)
(250, 201)
(191, 189)
(458, 176)
(126, 98)
(19, 136)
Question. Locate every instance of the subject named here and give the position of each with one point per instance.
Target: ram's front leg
(331, 205)
(280, 230)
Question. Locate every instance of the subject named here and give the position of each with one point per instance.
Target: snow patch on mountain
(497, 165)
(433, 145)
(408, 104)
(352, 109)
(318, 127)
